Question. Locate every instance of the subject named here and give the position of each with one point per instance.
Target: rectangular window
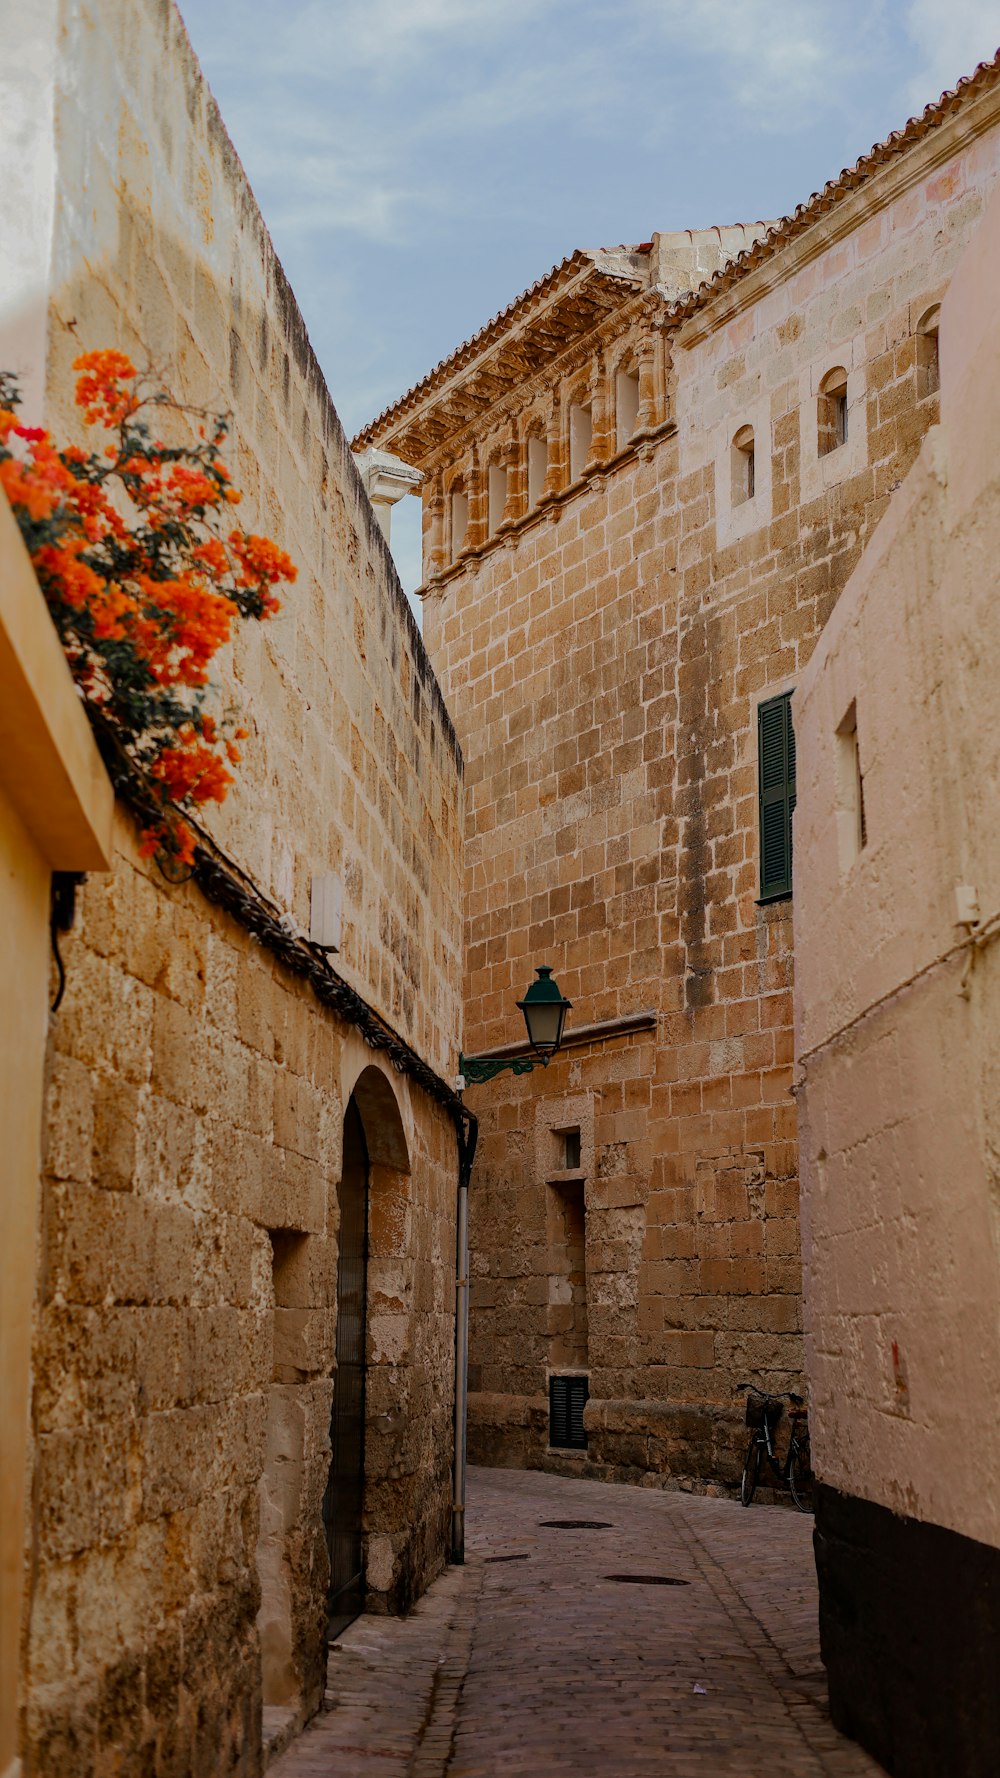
(567, 1400)
(571, 1150)
(775, 795)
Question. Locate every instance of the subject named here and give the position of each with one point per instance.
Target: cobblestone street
(534, 1660)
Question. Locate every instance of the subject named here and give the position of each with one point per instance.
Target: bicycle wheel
(751, 1470)
(800, 1481)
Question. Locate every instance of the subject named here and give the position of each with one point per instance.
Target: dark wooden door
(343, 1501)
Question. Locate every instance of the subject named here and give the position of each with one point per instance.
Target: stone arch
(624, 390)
(457, 514)
(579, 410)
(535, 452)
(383, 1125)
(495, 471)
(927, 349)
(393, 1408)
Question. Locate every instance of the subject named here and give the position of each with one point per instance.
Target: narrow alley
(541, 1659)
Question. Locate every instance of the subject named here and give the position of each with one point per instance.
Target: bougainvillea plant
(144, 573)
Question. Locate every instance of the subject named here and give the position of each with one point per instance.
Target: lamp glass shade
(544, 1010)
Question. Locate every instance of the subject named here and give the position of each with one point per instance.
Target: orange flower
(98, 388)
(128, 551)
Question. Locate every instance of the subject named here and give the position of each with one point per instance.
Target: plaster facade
(55, 814)
(604, 641)
(185, 1311)
(897, 1034)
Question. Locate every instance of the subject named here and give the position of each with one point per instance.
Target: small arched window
(743, 466)
(626, 406)
(928, 357)
(538, 463)
(581, 432)
(831, 414)
(496, 496)
(459, 520)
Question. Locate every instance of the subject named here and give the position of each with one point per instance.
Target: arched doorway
(343, 1502)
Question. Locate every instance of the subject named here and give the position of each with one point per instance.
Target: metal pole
(461, 1375)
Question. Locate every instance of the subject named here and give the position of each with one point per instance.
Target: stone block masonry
(605, 645)
(186, 1314)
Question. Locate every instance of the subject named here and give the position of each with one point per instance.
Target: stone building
(224, 1106)
(645, 484)
(897, 993)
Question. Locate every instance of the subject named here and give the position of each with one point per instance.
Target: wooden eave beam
(568, 311)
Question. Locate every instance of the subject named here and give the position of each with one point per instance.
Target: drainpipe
(468, 1135)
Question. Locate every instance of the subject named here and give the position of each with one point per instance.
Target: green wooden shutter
(776, 795)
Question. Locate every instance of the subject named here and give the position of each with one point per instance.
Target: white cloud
(950, 37)
(778, 60)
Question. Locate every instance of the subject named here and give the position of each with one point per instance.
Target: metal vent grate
(567, 1400)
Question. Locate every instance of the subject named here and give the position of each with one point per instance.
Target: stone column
(434, 560)
(646, 357)
(514, 460)
(601, 440)
(476, 484)
(555, 473)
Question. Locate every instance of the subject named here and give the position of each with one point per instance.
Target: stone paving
(533, 1661)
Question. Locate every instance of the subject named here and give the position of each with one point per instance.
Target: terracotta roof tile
(624, 263)
(775, 237)
(614, 263)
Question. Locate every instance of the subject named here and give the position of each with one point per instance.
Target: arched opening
(459, 517)
(538, 463)
(581, 433)
(343, 1501)
(832, 412)
(364, 1509)
(626, 406)
(496, 491)
(743, 466)
(928, 353)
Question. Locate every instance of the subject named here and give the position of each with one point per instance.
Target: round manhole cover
(521, 1558)
(648, 1580)
(576, 1524)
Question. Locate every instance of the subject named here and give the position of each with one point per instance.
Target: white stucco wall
(897, 1031)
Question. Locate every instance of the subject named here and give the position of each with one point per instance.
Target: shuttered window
(567, 1399)
(776, 795)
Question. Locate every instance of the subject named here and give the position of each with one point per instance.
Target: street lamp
(544, 1009)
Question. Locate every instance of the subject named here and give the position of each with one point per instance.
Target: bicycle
(762, 1416)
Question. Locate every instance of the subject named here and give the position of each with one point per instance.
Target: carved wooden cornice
(519, 346)
(526, 394)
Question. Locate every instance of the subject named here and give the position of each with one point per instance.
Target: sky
(420, 162)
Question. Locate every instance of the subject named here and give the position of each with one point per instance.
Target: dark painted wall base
(910, 1633)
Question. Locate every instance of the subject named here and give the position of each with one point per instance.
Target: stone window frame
(578, 392)
(534, 426)
(456, 482)
(495, 453)
(833, 413)
(625, 362)
(927, 349)
(736, 519)
(820, 470)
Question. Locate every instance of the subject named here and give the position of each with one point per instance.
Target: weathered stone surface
(185, 1330)
(604, 651)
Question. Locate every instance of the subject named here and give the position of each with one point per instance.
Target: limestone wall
(604, 662)
(56, 811)
(896, 1017)
(185, 1321)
